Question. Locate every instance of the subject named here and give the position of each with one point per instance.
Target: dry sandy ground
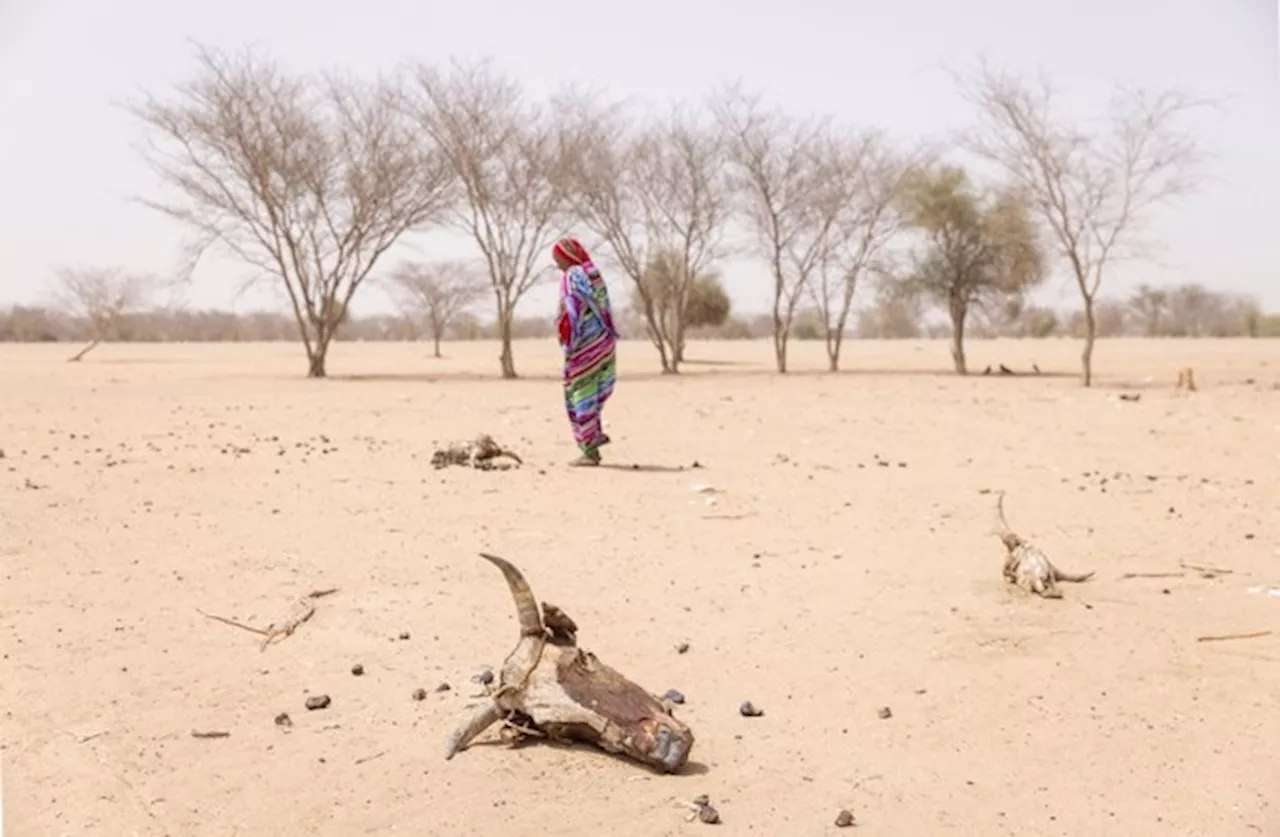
(152, 481)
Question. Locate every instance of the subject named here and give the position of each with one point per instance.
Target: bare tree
(892, 315)
(676, 304)
(978, 249)
(437, 292)
(1093, 190)
(310, 180)
(866, 224)
(510, 156)
(793, 185)
(101, 296)
(657, 194)
(1150, 307)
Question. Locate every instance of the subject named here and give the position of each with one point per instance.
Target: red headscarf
(571, 251)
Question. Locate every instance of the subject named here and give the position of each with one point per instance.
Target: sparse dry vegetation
(841, 590)
(310, 179)
(307, 180)
(437, 294)
(100, 298)
(1094, 190)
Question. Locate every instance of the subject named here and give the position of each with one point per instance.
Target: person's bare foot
(587, 460)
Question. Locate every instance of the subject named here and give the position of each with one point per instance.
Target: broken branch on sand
(303, 609)
(1225, 637)
(217, 733)
(1127, 576)
(1207, 571)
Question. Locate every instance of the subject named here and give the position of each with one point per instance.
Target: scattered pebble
(844, 819)
(443, 687)
(318, 702)
(673, 696)
(749, 710)
(706, 812)
(885, 713)
(357, 669)
(682, 648)
(404, 634)
(419, 694)
(484, 678)
(283, 720)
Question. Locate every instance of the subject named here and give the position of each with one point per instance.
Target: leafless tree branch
(437, 292)
(1093, 190)
(308, 180)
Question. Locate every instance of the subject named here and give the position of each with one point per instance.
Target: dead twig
(195, 733)
(728, 516)
(1204, 570)
(233, 623)
(1127, 576)
(82, 739)
(377, 755)
(303, 609)
(1225, 637)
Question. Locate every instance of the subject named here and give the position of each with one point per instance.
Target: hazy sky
(67, 167)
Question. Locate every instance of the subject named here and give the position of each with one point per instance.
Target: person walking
(589, 340)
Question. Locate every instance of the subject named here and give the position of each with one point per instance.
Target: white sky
(67, 166)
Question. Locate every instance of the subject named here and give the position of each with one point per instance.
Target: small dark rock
(885, 713)
(708, 815)
(419, 694)
(404, 634)
(318, 702)
(357, 669)
(696, 464)
(749, 710)
(1248, 536)
(844, 819)
(484, 678)
(283, 720)
(673, 696)
(443, 687)
(1165, 591)
(682, 648)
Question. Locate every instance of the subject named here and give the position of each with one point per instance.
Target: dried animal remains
(1028, 567)
(550, 687)
(482, 453)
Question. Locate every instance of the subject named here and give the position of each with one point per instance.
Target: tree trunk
(507, 359)
(958, 314)
(435, 341)
(79, 356)
(780, 343)
(316, 361)
(835, 339)
(670, 366)
(1090, 335)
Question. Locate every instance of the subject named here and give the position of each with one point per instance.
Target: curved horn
(1002, 526)
(526, 605)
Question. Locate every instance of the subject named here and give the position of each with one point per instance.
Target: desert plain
(829, 556)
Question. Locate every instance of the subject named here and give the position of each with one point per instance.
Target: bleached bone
(1026, 565)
